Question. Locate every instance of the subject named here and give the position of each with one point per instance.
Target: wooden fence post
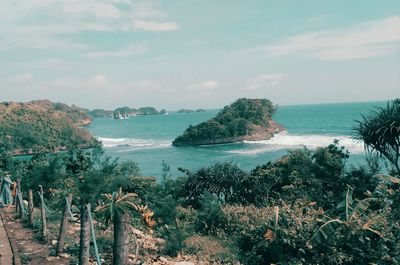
(20, 201)
(43, 215)
(16, 198)
(85, 235)
(121, 239)
(64, 225)
(31, 208)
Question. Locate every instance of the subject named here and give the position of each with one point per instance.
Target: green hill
(79, 116)
(245, 119)
(42, 126)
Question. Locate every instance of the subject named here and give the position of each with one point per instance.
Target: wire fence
(52, 214)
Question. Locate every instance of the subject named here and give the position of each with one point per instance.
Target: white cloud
(97, 10)
(21, 78)
(364, 40)
(97, 81)
(147, 10)
(147, 85)
(129, 51)
(154, 26)
(264, 81)
(48, 24)
(203, 86)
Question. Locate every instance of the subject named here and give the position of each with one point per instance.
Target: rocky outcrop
(259, 133)
(243, 120)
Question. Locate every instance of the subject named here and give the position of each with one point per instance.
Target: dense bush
(34, 128)
(221, 179)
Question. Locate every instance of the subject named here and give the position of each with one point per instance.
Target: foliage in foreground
(307, 207)
(380, 131)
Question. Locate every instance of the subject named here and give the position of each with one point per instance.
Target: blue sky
(190, 54)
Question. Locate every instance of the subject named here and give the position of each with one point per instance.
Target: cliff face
(243, 120)
(42, 126)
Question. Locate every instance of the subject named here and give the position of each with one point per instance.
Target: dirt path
(30, 249)
(6, 255)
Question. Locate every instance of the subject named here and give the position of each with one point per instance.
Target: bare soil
(30, 249)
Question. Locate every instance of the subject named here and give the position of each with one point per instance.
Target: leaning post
(31, 208)
(64, 224)
(43, 214)
(16, 198)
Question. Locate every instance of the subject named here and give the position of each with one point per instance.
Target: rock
(51, 258)
(163, 259)
(65, 255)
(54, 242)
(183, 263)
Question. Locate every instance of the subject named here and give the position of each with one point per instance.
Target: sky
(199, 54)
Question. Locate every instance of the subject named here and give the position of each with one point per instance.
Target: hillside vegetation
(78, 115)
(307, 207)
(245, 119)
(42, 126)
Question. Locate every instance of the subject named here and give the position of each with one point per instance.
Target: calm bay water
(147, 139)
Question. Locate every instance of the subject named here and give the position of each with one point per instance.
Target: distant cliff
(245, 119)
(42, 126)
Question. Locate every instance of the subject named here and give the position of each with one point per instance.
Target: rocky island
(243, 120)
(185, 111)
(43, 126)
(125, 112)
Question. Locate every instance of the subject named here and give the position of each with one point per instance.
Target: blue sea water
(147, 139)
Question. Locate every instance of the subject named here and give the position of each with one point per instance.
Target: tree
(116, 209)
(380, 131)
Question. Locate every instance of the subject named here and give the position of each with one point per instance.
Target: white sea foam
(284, 140)
(132, 143)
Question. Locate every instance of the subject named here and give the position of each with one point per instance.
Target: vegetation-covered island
(245, 119)
(186, 111)
(125, 112)
(42, 126)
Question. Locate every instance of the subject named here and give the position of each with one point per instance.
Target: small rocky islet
(243, 120)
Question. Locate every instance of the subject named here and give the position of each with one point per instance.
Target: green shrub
(210, 219)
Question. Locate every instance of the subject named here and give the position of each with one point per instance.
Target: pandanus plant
(117, 208)
(354, 219)
(380, 131)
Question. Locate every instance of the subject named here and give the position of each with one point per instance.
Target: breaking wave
(284, 141)
(132, 143)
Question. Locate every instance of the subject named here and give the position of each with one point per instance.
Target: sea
(147, 139)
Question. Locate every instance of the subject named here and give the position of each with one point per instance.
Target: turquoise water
(147, 139)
